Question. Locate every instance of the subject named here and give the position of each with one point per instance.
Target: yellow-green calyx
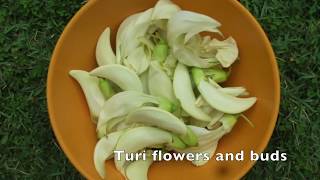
(229, 120)
(197, 75)
(106, 88)
(177, 142)
(160, 51)
(217, 74)
(166, 104)
(190, 139)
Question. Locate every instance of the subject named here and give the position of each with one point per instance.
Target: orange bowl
(257, 71)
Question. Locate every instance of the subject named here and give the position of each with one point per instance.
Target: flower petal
(227, 51)
(104, 151)
(138, 170)
(159, 82)
(121, 104)
(104, 52)
(164, 9)
(185, 22)
(137, 139)
(224, 102)
(184, 92)
(90, 88)
(152, 116)
(137, 60)
(125, 78)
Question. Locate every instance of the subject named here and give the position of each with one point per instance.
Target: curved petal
(144, 81)
(198, 130)
(208, 140)
(125, 78)
(215, 117)
(104, 151)
(184, 22)
(189, 58)
(138, 170)
(227, 51)
(137, 139)
(159, 82)
(152, 116)
(123, 30)
(211, 150)
(130, 30)
(138, 29)
(137, 60)
(121, 104)
(224, 102)
(214, 114)
(170, 65)
(227, 122)
(184, 92)
(104, 52)
(90, 88)
(102, 131)
(232, 91)
(144, 17)
(206, 137)
(164, 9)
(196, 30)
(235, 91)
(205, 145)
(195, 122)
(110, 126)
(181, 28)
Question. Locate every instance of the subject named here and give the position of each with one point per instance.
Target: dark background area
(29, 30)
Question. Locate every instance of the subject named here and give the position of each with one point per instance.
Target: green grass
(29, 30)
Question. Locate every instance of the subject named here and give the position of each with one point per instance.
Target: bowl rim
(260, 148)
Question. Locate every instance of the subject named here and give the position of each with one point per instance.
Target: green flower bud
(166, 104)
(160, 51)
(190, 139)
(217, 74)
(197, 75)
(106, 88)
(229, 120)
(177, 142)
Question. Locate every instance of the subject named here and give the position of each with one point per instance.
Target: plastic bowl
(257, 70)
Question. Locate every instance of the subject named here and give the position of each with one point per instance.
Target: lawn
(29, 30)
